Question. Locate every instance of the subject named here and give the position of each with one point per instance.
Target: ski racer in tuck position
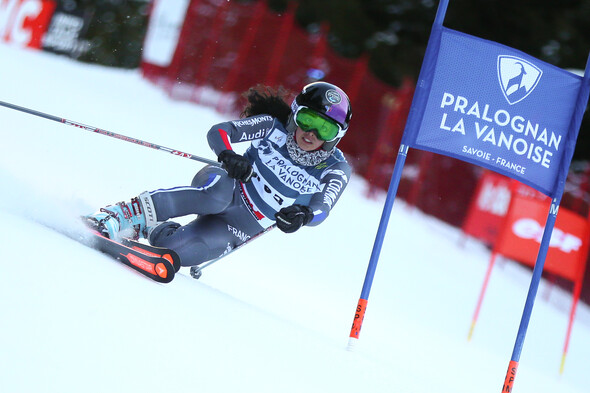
(291, 174)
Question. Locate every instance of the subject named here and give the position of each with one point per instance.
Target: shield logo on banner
(517, 77)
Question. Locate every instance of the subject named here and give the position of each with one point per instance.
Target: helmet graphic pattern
(327, 99)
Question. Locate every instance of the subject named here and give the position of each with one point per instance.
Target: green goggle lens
(309, 120)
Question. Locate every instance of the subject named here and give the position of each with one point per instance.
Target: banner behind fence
(224, 48)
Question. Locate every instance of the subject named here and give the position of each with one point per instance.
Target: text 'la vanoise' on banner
(499, 108)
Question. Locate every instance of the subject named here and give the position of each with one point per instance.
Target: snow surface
(272, 317)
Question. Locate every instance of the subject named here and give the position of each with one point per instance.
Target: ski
(153, 251)
(159, 264)
(158, 267)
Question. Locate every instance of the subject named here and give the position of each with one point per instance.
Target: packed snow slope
(272, 317)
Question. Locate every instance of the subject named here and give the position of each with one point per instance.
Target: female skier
(291, 174)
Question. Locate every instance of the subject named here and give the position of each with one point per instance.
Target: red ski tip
(161, 270)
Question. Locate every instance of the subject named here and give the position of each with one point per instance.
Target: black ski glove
(291, 218)
(237, 166)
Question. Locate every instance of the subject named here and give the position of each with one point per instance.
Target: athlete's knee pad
(214, 183)
(213, 178)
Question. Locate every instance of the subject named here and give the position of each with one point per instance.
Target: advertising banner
(489, 207)
(163, 32)
(499, 108)
(523, 230)
(23, 22)
(65, 31)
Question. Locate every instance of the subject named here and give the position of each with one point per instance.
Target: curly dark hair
(262, 99)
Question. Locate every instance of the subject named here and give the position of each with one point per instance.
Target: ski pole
(109, 133)
(196, 271)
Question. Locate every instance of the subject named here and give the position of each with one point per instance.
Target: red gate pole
(494, 253)
(482, 294)
(576, 294)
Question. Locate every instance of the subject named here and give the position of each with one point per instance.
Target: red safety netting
(226, 47)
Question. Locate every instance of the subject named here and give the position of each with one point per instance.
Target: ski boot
(122, 220)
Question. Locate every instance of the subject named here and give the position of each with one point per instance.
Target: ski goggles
(310, 120)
